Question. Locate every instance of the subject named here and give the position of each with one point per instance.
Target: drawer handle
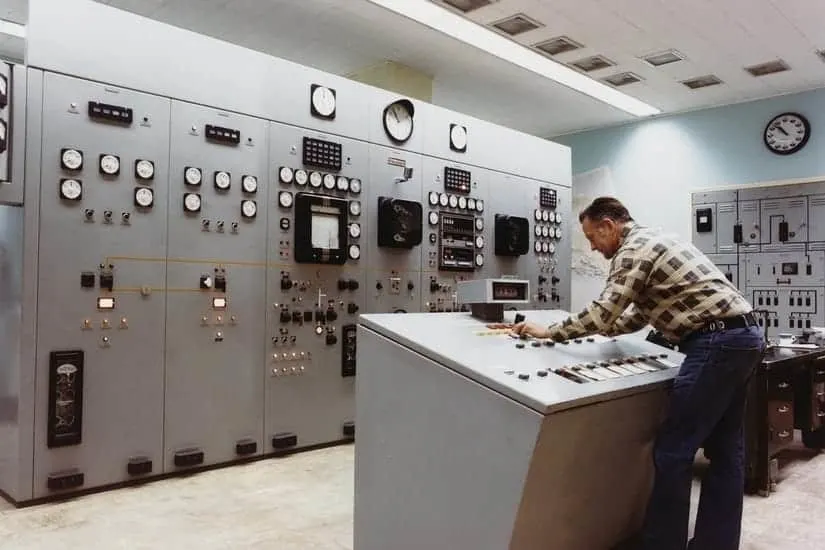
(820, 372)
(782, 386)
(820, 394)
(820, 414)
(783, 409)
(784, 433)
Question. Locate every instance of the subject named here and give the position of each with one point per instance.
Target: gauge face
(285, 199)
(144, 197)
(323, 101)
(433, 218)
(551, 248)
(71, 159)
(398, 120)
(144, 169)
(453, 201)
(315, 179)
(479, 224)
(354, 230)
(355, 185)
(355, 208)
(249, 184)
(222, 180)
(545, 216)
(537, 215)
(192, 202)
(329, 181)
(342, 183)
(537, 231)
(479, 260)
(285, 174)
(537, 247)
(301, 177)
(458, 137)
(192, 175)
(462, 202)
(545, 231)
(545, 247)
(558, 232)
(249, 208)
(479, 242)
(471, 204)
(109, 164)
(433, 198)
(71, 190)
(558, 217)
(480, 205)
(354, 251)
(443, 200)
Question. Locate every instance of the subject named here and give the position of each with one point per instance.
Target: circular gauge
(558, 217)
(355, 185)
(71, 190)
(398, 120)
(458, 137)
(551, 248)
(144, 197)
(301, 177)
(471, 204)
(355, 208)
(545, 247)
(537, 214)
(354, 230)
(354, 252)
(479, 242)
(323, 101)
(462, 202)
(479, 224)
(558, 232)
(249, 184)
(249, 209)
(480, 205)
(443, 199)
(537, 247)
(192, 175)
(479, 260)
(342, 183)
(285, 174)
(222, 180)
(453, 201)
(192, 202)
(109, 164)
(329, 181)
(537, 231)
(315, 179)
(545, 231)
(545, 216)
(72, 159)
(145, 169)
(433, 218)
(285, 199)
(433, 198)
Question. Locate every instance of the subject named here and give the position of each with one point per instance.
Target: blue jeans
(706, 409)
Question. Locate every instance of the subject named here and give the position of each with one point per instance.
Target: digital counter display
(790, 268)
(509, 291)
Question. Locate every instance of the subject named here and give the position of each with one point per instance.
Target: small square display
(456, 180)
(547, 197)
(323, 154)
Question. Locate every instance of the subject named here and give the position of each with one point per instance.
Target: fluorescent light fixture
(11, 28)
(460, 28)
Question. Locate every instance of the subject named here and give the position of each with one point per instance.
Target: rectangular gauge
(456, 180)
(222, 135)
(322, 154)
(547, 197)
(218, 303)
(111, 113)
(106, 302)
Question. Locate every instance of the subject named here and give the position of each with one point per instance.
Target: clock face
(787, 133)
(398, 120)
(458, 138)
(323, 101)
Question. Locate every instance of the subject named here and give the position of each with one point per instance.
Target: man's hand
(530, 329)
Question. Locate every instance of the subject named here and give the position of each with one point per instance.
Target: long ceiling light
(460, 28)
(12, 29)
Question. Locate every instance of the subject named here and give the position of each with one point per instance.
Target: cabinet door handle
(784, 433)
(820, 394)
(783, 409)
(820, 414)
(820, 372)
(782, 385)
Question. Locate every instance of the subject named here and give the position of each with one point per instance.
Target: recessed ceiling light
(663, 58)
(702, 82)
(467, 5)
(516, 24)
(770, 67)
(463, 29)
(558, 45)
(11, 28)
(593, 63)
(622, 79)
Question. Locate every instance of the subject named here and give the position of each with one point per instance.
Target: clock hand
(781, 129)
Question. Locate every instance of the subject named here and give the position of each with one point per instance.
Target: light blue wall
(655, 164)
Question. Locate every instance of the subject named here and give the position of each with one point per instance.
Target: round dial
(354, 251)
(71, 189)
(144, 197)
(558, 217)
(354, 230)
(453, 201)
(433, 218)
(471, 204)
(479, 224)
(355, 208)
(551, 248)
(479, 242)
(145, 169)
(301, 177)
(462, 202)
(545, 247)
(72, 159)
(329, 181)
(558, 232)
(537, 215)
(249, 208)
(458, 137)
(479, 260)
(480, 205)
(285, 174)
(250, 184)
(315, 179)
(443, 200)
(192, 175)
(285, 199)
(109, 164)
(537, 231)
(545, 231)
(545, 216)
(398, 120)
(433, 198)
(342, 183)
(323, 100)
(537, 247)
(787, 133)
(222, 180)
(192, 202)
(355, 185)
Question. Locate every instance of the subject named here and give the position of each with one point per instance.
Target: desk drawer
(817, 398)
(780, 386)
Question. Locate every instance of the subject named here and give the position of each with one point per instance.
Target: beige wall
(396, 78)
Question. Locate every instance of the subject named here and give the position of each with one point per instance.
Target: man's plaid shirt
(659, 281)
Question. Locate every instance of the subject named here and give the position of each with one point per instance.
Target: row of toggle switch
(105, 324)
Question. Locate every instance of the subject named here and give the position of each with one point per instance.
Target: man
(676, 289)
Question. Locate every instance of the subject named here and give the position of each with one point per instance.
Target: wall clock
(787, 133)
(322, 101)
(398, 120)
(458, 138)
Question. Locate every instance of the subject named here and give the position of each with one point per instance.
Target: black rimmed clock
(787, 133)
